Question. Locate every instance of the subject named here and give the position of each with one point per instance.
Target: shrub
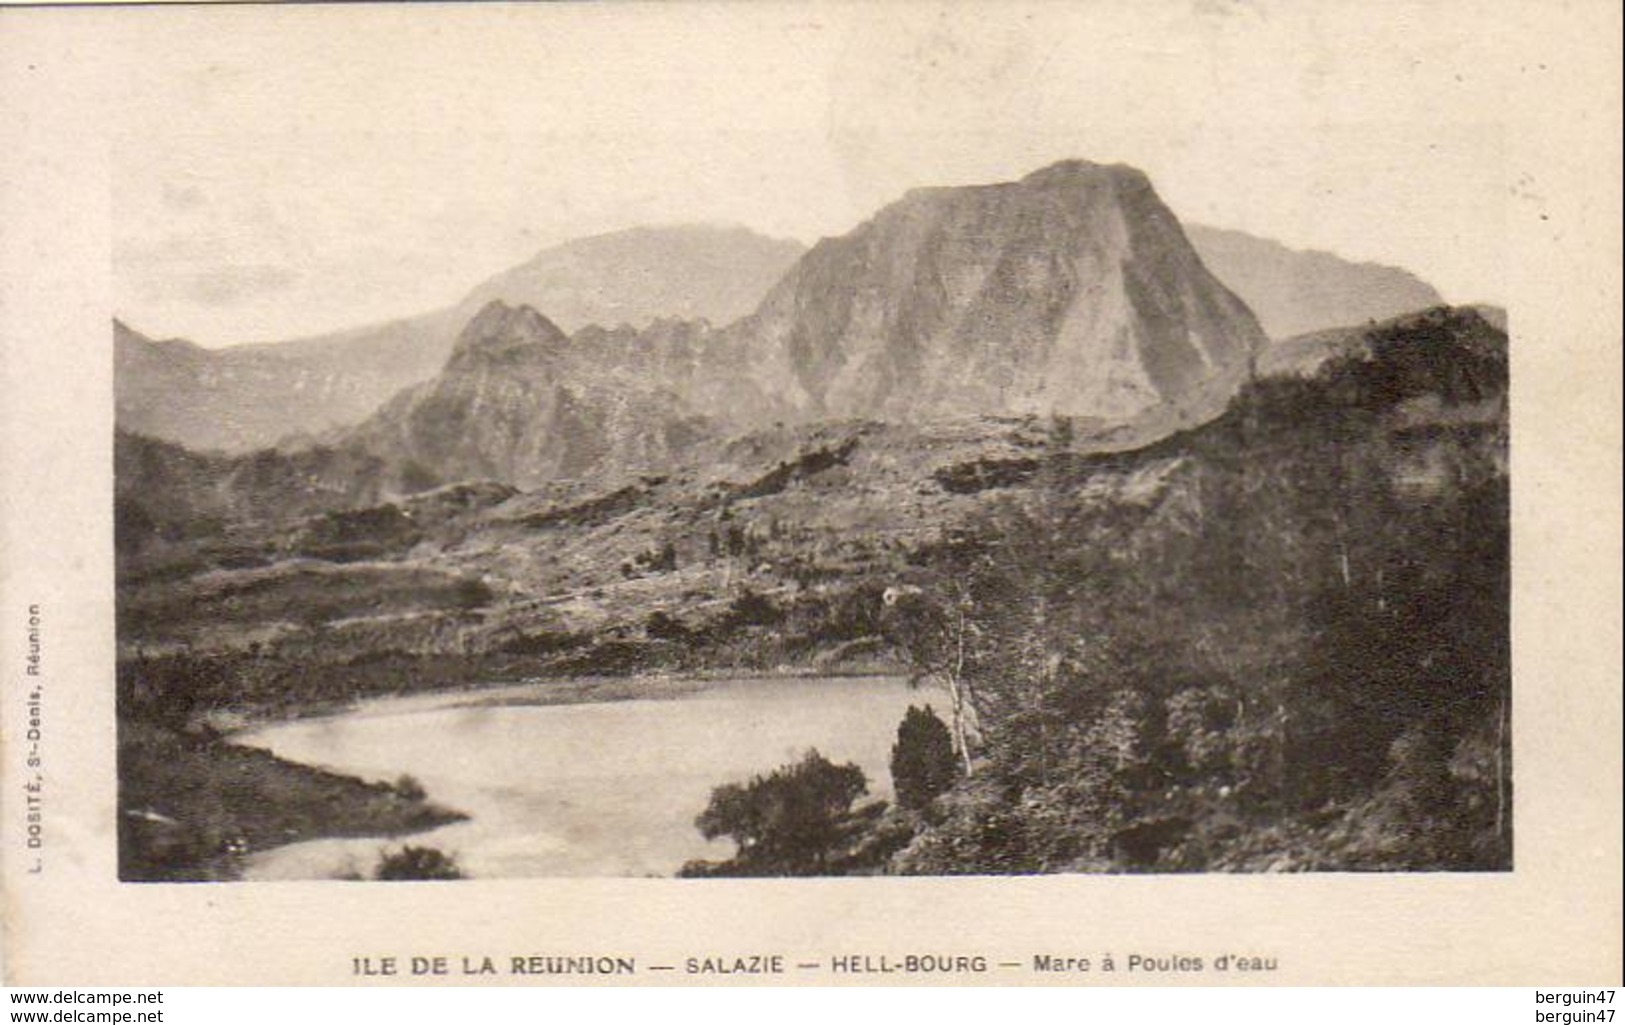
(408, 787)
(417, 863)
(661, 626)
(923, 764)
(752, 609)
(789, 822)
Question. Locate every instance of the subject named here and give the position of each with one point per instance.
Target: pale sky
(286, 171)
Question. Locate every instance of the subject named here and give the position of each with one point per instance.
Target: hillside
(1294, 291)
(1458, 353)
(826, 497)
(238, 399)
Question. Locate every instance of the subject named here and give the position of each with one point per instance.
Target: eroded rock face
(519, 401)
(1071, 291)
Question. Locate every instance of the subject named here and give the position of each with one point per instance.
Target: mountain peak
(503, 330)
(1070, 291)
(1075, 173)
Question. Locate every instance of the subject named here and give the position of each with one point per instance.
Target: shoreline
(334, 804)
(674, 718)
(193, 806)
(538, 691)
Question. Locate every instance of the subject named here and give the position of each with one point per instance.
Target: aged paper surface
(1475, 144)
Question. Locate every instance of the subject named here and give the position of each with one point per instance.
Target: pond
(599, 788)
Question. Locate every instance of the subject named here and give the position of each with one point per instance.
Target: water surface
(607, 788)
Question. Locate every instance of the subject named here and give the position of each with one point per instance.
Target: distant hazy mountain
(246, 397)
(695, 272)
(1072, 291)
(1293, 291)
(249, 396)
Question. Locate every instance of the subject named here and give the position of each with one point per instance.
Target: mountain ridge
(1073, 292)
(318, 388)
(724, 269)
(1295, 291)
(240, 398)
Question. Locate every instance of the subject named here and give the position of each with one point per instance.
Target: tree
(408, 788)
(789, 822)
(922, 761)
(935, 634)
(998, 618)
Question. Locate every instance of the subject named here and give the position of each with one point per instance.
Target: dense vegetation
(1290, 654)
(1299, 662)
(923, 762)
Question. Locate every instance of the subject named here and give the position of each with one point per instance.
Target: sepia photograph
(1015, 525)
(1034, 461)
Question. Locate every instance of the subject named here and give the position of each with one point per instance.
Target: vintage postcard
(811, 494)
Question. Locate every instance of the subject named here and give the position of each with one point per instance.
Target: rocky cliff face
(519, 401)
(1072, 291)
